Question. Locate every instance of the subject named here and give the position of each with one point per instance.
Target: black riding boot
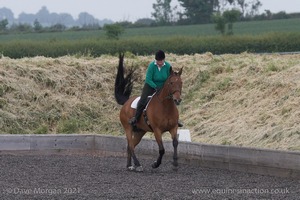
(180, 124)
(147, 91)
(138, 113)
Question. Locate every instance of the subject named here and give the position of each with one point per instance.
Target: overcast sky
(118, 10)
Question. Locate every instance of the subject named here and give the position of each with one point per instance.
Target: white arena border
(252, 160)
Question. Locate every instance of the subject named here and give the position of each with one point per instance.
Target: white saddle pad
(135, 102)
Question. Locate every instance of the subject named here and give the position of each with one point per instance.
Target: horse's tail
(123, 83)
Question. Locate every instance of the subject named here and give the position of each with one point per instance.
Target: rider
(157, 73)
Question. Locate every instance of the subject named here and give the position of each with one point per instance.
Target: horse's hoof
(155, 165)
(175, 164)
(175, 169)
(135, 169)
(139, 169)
(130, 168)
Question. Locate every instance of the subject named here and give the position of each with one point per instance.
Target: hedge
(271, 42)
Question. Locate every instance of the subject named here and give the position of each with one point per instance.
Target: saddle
(136, 101)
(134, 106)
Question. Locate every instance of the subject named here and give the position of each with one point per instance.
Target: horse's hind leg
(128, 157)
(133, 139)
(137, 136)
(130, 150)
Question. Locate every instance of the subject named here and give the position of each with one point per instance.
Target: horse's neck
(165, 99)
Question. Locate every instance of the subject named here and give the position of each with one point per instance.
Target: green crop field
(240, 28)
(255, 36)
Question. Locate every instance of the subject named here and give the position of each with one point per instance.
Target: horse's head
(174, 85)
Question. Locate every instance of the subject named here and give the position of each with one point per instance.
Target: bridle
(170, 92)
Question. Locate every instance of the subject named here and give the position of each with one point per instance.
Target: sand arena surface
(92, 176)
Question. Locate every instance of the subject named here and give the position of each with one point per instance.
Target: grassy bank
(245, 100)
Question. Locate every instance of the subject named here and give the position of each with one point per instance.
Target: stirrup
(180, 124)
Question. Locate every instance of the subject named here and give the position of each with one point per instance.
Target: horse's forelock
(177, 73)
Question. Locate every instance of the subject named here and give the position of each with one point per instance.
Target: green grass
(53, 36)
(260, 27)
(240, 28)
(259, 36)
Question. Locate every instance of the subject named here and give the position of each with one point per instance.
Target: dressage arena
(66, 167)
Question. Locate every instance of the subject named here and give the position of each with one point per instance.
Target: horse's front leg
(175, 145)
(158, 137)
(175, 158)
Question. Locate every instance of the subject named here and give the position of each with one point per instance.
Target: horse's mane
(123, 83)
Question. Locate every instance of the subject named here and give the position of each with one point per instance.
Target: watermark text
(41, 191)
(241, 191)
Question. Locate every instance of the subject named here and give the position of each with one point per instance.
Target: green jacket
(155, 77)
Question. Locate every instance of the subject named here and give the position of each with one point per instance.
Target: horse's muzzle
(177, 101)
(177, 97)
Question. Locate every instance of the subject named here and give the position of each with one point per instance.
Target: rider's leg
(147, 91)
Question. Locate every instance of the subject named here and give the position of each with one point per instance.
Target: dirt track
(97, 177)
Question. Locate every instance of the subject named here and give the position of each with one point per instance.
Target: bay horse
(161, 112)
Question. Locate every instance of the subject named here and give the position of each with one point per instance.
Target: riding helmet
(160, 55)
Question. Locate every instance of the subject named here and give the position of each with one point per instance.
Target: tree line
(221, 12)
(44, 20)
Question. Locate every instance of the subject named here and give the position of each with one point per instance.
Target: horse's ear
(171, 70)
(180, 71)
